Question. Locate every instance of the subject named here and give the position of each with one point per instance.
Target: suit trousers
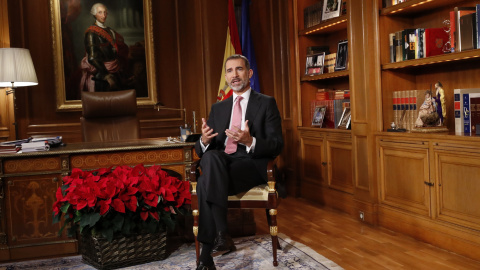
(222, 175)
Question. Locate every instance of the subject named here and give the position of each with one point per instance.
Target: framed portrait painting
(102, 47)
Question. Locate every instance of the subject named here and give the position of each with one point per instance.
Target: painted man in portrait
(106, 55)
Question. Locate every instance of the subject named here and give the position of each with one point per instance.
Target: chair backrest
(109, 116)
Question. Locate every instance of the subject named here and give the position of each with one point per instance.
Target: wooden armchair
(264, 196)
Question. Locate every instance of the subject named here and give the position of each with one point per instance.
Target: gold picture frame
(70, 101)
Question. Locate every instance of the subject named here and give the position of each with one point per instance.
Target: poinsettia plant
(124, 200)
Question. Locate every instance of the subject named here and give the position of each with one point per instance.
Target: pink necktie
(231, 146)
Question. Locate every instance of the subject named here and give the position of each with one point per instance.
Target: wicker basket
(123, 251)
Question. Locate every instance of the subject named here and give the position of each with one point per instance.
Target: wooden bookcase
(326, 167)
(428, 183)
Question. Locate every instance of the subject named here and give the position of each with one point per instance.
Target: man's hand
(207, 133)
(239, 135)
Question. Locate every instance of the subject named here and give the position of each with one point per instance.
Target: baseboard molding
(458, 239)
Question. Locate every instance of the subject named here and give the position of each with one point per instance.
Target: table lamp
(16, 70)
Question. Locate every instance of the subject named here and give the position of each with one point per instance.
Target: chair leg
(195, 233)
(272, 222)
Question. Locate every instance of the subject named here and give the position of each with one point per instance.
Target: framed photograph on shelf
(331, 9)
(318, 116)
(342, 56)
(315, 64)
(345, 119)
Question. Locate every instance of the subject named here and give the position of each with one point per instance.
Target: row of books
(323, 10)
(467, 110)
(389, 3)
(417, 43)
(329, 94)
(312, 15)
(333, 113)
(406, 105)
(464, 27)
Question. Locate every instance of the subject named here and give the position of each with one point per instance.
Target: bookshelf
(326, 167)
(427, 181)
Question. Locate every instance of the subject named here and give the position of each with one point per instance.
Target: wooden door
(404, 176)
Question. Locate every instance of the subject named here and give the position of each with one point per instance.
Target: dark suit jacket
(263, 120)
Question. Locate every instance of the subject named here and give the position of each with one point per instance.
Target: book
(408, 39)
(35, 146)
(477, 25)
(322, 94)
(435, 39)
(392, 41)
(460, 112)
(396, 109)
(459, 12)
(398, 46)
(474, 113)
(330, 62)
(317, 50)
(468, 31)
(419, 43)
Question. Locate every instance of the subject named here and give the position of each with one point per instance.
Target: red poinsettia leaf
(81, 204)
(154, 215)
(152, 200)
(132, 204)
(118, 205)
(104, 207)
(144, 215)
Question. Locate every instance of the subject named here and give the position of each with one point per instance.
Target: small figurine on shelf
(441, 105)
(427, 114)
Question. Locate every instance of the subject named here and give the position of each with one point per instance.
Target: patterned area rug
(254, 252)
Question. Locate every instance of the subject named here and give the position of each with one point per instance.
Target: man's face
(101, 15)
(237, 75)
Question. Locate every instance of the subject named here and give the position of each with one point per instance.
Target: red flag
(232, 47)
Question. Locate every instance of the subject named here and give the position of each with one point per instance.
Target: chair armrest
(271, 167)
(194, 171)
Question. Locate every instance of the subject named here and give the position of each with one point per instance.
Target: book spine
(477, 24)
(394, 107)
(391, 39)
(411, 111)
(398, 46)
(457, 111)
(403, 108)
(466, 113)
(475, 113)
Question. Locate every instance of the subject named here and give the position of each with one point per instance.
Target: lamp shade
(16, 68)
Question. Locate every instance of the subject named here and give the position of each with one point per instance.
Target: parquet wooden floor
(356, 245)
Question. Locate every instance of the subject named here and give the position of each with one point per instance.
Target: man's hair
(93, 11)
(238, 56)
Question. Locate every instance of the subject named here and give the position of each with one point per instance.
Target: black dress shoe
(223, 244)
(202, 266)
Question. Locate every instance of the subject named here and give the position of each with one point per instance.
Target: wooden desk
(28, 183)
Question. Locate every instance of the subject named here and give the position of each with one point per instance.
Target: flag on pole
(247, 44)
(232, 47)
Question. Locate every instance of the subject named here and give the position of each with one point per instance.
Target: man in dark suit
(241, 135)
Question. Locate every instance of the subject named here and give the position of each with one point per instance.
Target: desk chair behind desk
(109, 116)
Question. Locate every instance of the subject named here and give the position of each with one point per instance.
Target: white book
(458, 106)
